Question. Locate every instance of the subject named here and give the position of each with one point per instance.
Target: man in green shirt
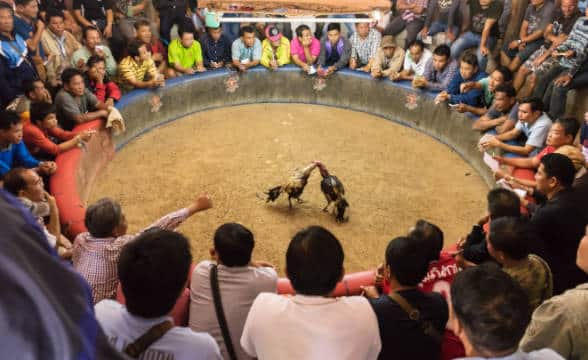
(185, 53)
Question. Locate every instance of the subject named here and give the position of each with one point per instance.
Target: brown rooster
(334, 192)
(294, 186)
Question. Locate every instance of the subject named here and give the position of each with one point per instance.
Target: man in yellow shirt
(185, 53)
(138, 70)
(275, 49)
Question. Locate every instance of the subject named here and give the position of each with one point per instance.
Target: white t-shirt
(179, 343)
(311, 327)
(239, 286)
(417, 68)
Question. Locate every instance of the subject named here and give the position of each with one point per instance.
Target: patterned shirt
(535, 278)
(96, 258)
(439, 80)
(365, 49)
(130, 70)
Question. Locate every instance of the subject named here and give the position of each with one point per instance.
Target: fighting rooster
(294, 186)
(334, 192)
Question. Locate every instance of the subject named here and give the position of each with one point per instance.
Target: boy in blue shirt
(468, 71)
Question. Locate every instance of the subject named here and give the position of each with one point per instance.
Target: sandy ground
(393, 176)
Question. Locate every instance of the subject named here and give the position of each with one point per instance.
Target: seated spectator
(15, 64)
(305, 48)
(216, 46)
(402, 336)
(365, 42)
(503, 114)
(472, 249)
(239, 279)
(439, 71)
(246, 50)
(335, 51)
(138, 69)
(185, 54)
(154, 45)
(442, 17)
(275, 49)
(70, 23)
(555, 34)
(153, 271)
(43, 136)
(99, 83)
(13, 151)
(75, 104)
(389, 58)
(96, 252)
(34, 91)
(59, 46)
(532, 122)
(280, 327)
(584, 136)
(500, 75)
(490, 314)
(537, 16)
(28, 187)
(559, 222)
(468, 72)
(562, 132)
(480, 29)
(560, 323)
(415, 60)
(95, 13)
(92, 46)
(410, 15)
(509, 243)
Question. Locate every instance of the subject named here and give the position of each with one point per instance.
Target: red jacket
(38, 141)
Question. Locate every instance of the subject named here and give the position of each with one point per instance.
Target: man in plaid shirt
(365, 43)
(96, 252)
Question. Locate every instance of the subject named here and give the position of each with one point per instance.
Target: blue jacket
(16, 155)
(13, 70)
(472, 97)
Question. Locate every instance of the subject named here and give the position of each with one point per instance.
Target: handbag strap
(415, 315)
(136, 348)
(220, 314)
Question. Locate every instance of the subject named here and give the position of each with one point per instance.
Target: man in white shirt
(240, 281)
(415, 60)
(153, 271)
(310, 325)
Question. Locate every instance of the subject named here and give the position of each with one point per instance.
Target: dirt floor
(393, 176)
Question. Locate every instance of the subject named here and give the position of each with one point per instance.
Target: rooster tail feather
(273, 193)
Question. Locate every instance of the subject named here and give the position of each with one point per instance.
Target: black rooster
(334, 192)
(294, 186)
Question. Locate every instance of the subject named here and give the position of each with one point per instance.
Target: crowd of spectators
(512, 288)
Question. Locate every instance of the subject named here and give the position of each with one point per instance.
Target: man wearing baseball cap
(275, 49)
(388, 59)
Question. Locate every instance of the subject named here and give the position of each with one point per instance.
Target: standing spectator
(153, 270)
(560, 222)
(537, 17)
(185, 54)
(75, 103)
(280, 327)
(490, 315)
(154, 46)
(532, 122)
(96, 252)
(469, 71)
(59, 47)
(13, 151)
(99, 83)
(403, 336)
(91, 47)
(335, 51)
(481, 29)
(15, 64)
(389, 58)
(95, 13)
(305, 48)
(439, 71)
(410, 15)
(216, 46)
(415, 60)
(500, 75)
(239, 279)
(171, 12)
(442, 16)
(138, 69)
(275, 49)
(560, 323)
(365, 42)
(246, 50)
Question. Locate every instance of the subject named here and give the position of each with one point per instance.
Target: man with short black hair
(469, 72)
(499, 76)
(239, 280)
(153, 271)
(335, 51)
(138, 70)
(502, 112)
(59, 46)
(246, 50)
(365, 42)
(93, 46)
(416, 58)
(34, 91)
(311, 325)
(491, 313)
(439, 70)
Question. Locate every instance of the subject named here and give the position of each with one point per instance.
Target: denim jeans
(555, 98)
(231, 30)
(350, 27)
(469, 40)
(437, 27)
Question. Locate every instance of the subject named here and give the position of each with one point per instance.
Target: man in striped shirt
(96, 252)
